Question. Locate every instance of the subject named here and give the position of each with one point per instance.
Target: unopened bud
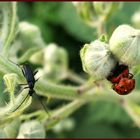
(55, 61)
(10, 81)
(124, 44)
(136, 19)
(30, 34)
(97, 59)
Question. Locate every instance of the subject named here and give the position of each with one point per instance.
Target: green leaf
(108, 112)
(31, 129)
(136, 69)
(72, 22)
(45, 10)
(10, 130)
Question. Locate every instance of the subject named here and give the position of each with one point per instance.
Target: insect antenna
(14, 63)
(40, 100)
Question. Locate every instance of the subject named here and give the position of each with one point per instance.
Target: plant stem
(131, 112)
(28, 54)
(11, 108)
(70, 108)
(63, 92)
(31, 115)
(74, 77)
(71, 93)
(11, 32)
(100, 27)
(63, 112)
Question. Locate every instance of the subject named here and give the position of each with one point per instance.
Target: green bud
(29, 30)
(106, 9)
(124, 44)
(31, 129)
(55, 61)
(30, 34)
(65, 125)
(97, 59)
(136, 19)
(103, 38)
(10, 81)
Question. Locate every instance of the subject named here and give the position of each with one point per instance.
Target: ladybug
(122, 80)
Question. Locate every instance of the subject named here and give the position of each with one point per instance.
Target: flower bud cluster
(99, 58)
(93, 12)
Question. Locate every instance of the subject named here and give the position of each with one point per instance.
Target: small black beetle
(29, 75)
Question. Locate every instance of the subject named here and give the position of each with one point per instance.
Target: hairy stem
(45, 88)
(75, 78)
(11, 33)
(130, 111)
(10, 108)
(100, 27)
(31, 115)
(28, 54)
(63, 112)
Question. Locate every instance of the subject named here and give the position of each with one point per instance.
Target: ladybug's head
(122, 71)
(125, 86)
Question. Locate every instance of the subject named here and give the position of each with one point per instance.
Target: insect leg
(130, 75)
(22, 84)
(23, 72)
(18, 66)
(25, 87)
(21, 103)
(113, 86)
(36, 79)
(35, 72)
(45, 108)
(14, 63)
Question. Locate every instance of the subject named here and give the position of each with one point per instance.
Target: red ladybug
(123, 82)
(125, 86)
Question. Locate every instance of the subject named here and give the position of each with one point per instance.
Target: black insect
(29, 75)
(30, 78)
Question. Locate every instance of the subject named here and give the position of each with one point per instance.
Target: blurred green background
(59, 23)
